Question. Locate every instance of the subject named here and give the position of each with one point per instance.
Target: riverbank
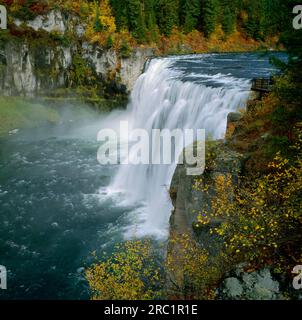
(17, 113)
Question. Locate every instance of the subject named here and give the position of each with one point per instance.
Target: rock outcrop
(220, 161)
(29, 67)
(256, 285)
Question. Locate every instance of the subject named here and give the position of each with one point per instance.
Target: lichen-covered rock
(27, 70)
(232, 288)
(105, 62)
(132, 67)
(257, 285)
(220, 161)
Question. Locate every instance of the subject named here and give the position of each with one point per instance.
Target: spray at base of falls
(162, 100)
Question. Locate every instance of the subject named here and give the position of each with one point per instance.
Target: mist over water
(58, 204)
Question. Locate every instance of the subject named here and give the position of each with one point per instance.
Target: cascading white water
(160, 100)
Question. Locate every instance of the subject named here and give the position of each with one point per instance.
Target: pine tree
(271, 14)
(252, 24)
(135, 16)
(146, 18)
(190, 11)
(210, 13)
(228, 21)
(120, 13)
(97, 22)
(150, 18)
(167, 13)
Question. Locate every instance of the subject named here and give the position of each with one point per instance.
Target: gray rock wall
(222, 161)
(28, 68)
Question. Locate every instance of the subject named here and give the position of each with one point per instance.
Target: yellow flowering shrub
(260, 216)
(130, 273)
(190, 271)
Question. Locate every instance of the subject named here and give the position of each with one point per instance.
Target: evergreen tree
(167, 13)
(190, 11)
(292, 40)
(210, 13)
(135, 16)
(120, 13)
(287, 113)
(272, 13)
(252, 24)
(146, 18)
(150, 18)
(228, 21)
(97, 22)
(263, 18)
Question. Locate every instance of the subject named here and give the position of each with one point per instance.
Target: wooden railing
(262, 84)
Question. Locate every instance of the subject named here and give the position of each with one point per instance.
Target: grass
(17, 113)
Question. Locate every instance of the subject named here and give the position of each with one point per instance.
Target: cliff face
(188, 202)
(221, 161)
(21, 69)
(31, 65)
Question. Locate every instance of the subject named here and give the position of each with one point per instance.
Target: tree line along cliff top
(175, 26)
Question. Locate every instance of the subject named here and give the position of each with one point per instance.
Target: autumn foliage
(130, 273)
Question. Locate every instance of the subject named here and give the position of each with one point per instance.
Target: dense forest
(144, 18)
(148, 21)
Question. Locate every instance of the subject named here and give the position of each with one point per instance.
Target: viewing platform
(262, 85)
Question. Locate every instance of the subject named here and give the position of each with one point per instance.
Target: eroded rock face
(28, 68)
(53, 21)
(132, 67)
(107, 61)
(236, 282)
(188, 202)
(232, 122)
(27, 71)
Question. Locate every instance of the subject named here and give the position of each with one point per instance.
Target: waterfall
(162, 99)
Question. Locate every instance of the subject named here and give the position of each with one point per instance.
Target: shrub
(263, 216)
(130, 273)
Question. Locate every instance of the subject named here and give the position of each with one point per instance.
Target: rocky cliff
(50, 52)
(221, 161)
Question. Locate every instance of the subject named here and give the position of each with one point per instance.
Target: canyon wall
(39, 59)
